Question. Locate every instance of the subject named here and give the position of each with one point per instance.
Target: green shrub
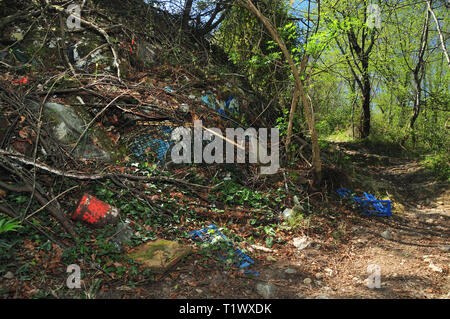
(439, 164)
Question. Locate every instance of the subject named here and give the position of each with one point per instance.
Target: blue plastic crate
(369, 204)
(209, 233)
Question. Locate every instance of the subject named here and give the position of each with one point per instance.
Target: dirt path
(411, 248)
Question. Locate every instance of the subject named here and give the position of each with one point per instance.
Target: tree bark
(186, 14)
(441, 37)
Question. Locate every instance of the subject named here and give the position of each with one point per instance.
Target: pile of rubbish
(214, 236)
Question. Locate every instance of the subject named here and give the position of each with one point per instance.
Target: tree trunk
(418, 76)
(186, 14)
(365, 129)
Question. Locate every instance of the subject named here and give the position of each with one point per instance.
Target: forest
(224, 149)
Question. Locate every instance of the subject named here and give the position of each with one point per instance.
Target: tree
(307, 105)
(356, 44)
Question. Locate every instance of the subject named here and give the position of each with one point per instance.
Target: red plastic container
(95, 212)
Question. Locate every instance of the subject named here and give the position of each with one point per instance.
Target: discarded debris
(168, 89)
(160, 255)
(156, 143)
(95, 212)
(123, 234)
(212, 235)
(210, 101)
(369, 204)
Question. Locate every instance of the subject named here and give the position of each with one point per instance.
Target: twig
(50, 201)
(93, 120)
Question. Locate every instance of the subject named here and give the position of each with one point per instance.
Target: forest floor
(411, 249)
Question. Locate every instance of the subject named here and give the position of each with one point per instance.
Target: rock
(322, 297)
(68, 124)
(160, 255)
(386, 235)
(199, 291)
(290, 271)
(444, 247)
(318, 276)
(265, 249)
(8, 275)
(326, 289)
(184, 108)
(435, 268)
(266, 290)
(329, 272)
(307, 281)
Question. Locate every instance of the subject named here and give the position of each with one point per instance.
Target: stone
(290, 271)
(329, 272)
(266, 290)
(322, 297)
(307, 281)
(386, 235)
(8, 275)
(184, 108)
(318, 276)
(444, 247)
(435, 268)
(326, 289)
(160, 255)
(68, 123)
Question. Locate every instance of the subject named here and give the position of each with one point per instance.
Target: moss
(160, 255)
